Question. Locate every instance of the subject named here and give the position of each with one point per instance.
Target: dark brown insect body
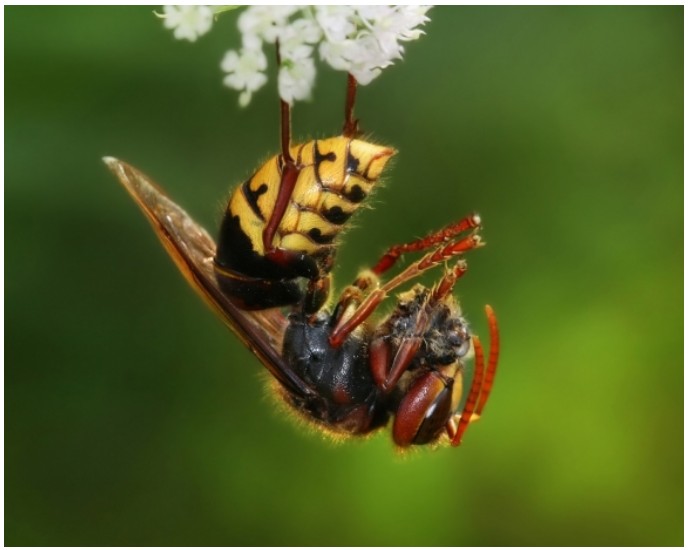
(350, 399)
(334, 365)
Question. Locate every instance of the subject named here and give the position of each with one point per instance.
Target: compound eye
(424, 410)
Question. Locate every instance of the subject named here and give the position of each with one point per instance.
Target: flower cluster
(361, 40)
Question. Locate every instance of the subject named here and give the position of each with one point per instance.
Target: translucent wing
(193, 250)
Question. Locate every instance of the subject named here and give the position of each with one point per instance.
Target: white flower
(188, 22)
(366, 61)
(295, 79)
(362, 40)
(265, 22)
(338, 54)
(246, 72)
(294, 39)
(361, 57)
(374, 44)
(337, 22)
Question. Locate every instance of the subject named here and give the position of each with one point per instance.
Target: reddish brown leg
(300, 264)
(346, 325)
(351, 125)
(354, 294)
(445, 234)
(290, 172)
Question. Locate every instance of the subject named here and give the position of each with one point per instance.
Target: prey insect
(268, 277)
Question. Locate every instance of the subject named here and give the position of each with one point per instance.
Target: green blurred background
(134, 418)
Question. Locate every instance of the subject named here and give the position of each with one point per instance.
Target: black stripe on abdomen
(252, 196)
(336, 215)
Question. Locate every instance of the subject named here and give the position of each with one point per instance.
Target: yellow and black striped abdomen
(335, 176)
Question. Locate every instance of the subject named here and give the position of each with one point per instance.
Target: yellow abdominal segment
(335, 176)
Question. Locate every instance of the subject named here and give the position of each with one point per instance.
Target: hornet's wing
(193, 250)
